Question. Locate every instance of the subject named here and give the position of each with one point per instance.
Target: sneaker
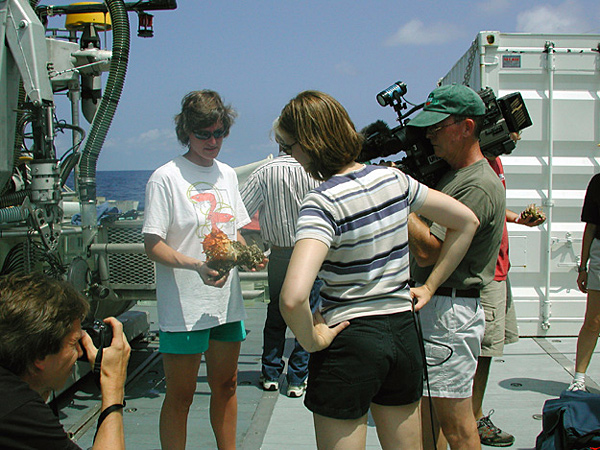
(268, 385)
(577, 386)
(490, 434)
(296, 391)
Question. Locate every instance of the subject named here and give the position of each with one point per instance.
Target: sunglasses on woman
(205, 134)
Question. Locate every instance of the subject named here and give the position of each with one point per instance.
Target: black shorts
(376, 359)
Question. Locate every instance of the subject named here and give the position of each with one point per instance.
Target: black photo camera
(415, 153)
(101, 334)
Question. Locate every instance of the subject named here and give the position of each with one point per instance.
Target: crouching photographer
(41, 338)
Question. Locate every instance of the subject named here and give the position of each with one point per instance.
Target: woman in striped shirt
(352, 232)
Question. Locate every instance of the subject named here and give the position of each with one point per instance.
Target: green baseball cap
(447, 100)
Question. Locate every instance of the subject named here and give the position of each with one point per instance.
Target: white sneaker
(296, 391)
(268, 385)
(577, 386)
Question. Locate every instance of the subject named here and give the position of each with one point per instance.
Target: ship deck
(531, 371)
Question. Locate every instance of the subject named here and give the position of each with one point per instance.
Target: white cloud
(346, 68)
(155, 135)
(149, 138)
(564, 18)
(416, 32)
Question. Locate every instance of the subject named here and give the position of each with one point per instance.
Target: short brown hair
(324, 130)
(36, 314)
(202, 109)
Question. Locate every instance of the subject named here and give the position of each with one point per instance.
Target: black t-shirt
(26, 421)
(591, 205)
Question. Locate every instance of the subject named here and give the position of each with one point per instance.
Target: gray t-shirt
(478, 187)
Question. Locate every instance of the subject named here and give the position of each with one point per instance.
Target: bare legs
(429, 429)
(221, 363)
(588, 335)
(180, 376)
(337, 434)
(181, 372)
(397, 427)
(480, 383)
(455, 416)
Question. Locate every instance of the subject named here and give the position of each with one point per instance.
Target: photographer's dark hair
(36, 314)
(324, 130)
(199, 110)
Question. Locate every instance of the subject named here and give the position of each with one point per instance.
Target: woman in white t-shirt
(199, 312)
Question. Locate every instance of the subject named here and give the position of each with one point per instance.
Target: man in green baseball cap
(445, 107)
(452, 119)
(447, 100)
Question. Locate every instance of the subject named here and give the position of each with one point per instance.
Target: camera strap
(96, 368)
(105, 413)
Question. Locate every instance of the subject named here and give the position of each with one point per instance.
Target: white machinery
(104, 262)
(558, 77)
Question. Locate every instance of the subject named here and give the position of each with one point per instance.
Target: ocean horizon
(120, 184)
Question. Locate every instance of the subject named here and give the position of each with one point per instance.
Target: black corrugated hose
(108, 104)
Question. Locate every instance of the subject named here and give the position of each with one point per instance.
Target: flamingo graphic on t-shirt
(213, 215)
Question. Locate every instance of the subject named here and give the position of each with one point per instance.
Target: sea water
(120, 184)
(123, 185)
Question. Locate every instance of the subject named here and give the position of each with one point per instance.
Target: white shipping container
(559, 79)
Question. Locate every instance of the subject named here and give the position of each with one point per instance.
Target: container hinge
(567, 240)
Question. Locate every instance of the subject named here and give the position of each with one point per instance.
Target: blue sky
(260, 54)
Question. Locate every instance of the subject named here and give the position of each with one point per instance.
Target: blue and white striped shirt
(363, 217)
(276, 190)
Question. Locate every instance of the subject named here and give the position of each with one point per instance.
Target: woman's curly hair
(199, 110)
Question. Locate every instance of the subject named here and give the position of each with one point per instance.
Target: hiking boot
(296, 391)
(268, 385)
(490, 434)
(577, 386)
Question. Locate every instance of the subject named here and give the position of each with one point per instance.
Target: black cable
(14, 260)
(67, 165)
(419, 330)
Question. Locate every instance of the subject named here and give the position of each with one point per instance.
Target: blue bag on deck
(104, 212)
(570, 422)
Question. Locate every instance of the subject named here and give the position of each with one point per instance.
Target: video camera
(503, 116)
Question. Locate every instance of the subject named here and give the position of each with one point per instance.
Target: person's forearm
(112, 391)
(306, 260)
(113, 375)
(423, 246)
(159, 251)
(460, 223)
(453, 250)
(111, 434)
(511, 216)
(588, 237)
(298, 317)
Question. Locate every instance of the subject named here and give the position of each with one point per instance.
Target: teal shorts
(194, 342)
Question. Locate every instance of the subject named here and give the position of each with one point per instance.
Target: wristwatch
(582, 269)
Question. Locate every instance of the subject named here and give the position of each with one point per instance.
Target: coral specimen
(222, 254)
(533, 211)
